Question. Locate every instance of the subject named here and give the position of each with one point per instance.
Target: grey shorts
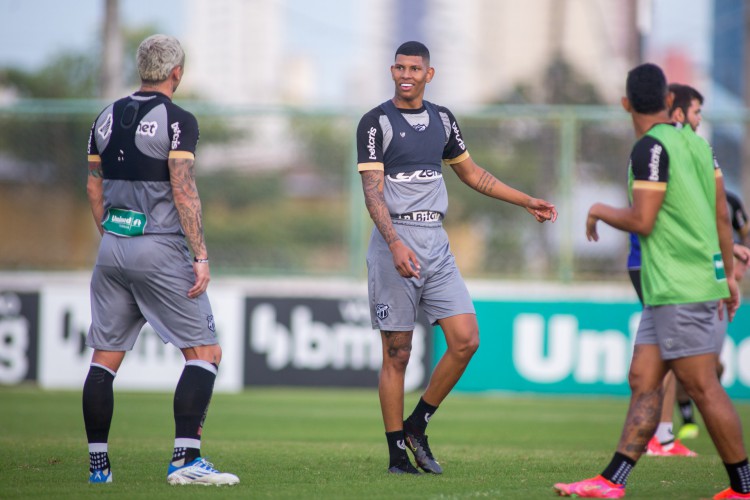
(146, 278)
(440, 291)
(721, 331)
(680, 330)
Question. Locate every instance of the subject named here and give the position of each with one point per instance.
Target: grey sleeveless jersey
(133, 138)
(414, 184)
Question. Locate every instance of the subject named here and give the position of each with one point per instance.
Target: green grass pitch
(327, 443)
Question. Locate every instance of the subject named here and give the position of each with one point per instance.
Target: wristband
(200, 261)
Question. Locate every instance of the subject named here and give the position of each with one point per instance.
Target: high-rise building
(234, 50)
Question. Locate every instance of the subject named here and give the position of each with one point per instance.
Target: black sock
(98, 404)
(183, 455)
(619, 469)
(421, 416)
(396, 447)
(98, 460)
(191, 400)
(686, 410)
(739, 476)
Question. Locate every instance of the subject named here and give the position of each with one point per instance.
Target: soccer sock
(98, 406)
(396, 447)
(739, 476)
(98, 457)
(191, 400)
(619, 469)
(686, 410)
(421, 416)
(664, 433)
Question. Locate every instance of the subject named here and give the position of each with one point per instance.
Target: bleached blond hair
(157, 56)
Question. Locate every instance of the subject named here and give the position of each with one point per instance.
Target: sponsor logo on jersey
(419, 127)
(653, 164)
(211, 323)
(420, 175)
(371, 143)
(106, 128)
(381, 310)
(147, 128)
(176, 137)
(460, 141)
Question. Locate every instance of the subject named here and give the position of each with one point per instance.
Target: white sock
(664, 433)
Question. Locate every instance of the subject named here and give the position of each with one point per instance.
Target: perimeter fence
(281, 193)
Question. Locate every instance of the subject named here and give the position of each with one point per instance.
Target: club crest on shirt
(381, 310)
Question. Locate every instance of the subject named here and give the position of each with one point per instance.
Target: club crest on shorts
(211, 323)
(381, 310)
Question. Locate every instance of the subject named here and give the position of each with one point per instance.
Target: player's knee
(469, 346)
(700, 388)
(398, 357)
(644, 382)
(465, 346)
(209, 353)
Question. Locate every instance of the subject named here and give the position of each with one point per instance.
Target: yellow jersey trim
(457, 159)
(361, 167)
(650, 185)
(182, 155)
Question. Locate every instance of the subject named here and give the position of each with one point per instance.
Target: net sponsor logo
(147, 128)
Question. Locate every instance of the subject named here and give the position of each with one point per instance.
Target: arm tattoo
(397, 341)
(372, 183)
(486, 183)
(95, 169)
(187, 202)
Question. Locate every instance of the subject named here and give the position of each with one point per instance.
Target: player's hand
(202, 277)
(405, 260)
(591, 220)
(741, 253)
(732, 302)
(541, 210)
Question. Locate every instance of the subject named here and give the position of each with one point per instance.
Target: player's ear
(625, 102)
(430, 73)
(669, 101)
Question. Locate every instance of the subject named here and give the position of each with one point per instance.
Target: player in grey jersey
(141, 187)
(401, 146)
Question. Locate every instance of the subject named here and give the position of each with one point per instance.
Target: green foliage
(68, 75)
(315, 443)
(251, 223)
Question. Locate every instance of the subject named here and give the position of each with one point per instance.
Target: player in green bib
(679, 251)
(678, 209)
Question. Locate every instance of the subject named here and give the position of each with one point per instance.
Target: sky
(33, 31)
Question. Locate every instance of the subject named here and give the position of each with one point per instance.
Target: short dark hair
(646, 89)
(683, 97)
(414, 49)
